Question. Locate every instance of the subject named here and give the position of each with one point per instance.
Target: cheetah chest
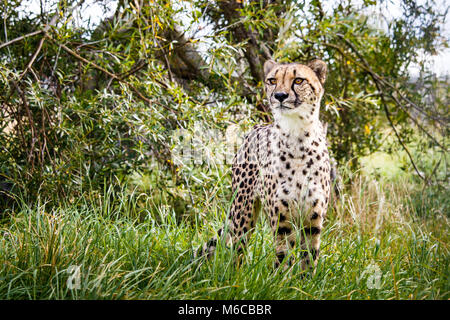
(299, 182)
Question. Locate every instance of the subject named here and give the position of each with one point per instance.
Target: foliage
(86, 104)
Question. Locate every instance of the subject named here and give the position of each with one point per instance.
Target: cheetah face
(294, 88)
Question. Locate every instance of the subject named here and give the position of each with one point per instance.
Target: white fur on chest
(301, 163)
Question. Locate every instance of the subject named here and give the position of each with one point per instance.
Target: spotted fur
(284, 167)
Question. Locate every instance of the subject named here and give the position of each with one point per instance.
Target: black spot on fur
(211, 243)
(280, 256)
(311, 230)
(314, 253)
(284, 230)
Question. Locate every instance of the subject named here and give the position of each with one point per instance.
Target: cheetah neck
(296, 124)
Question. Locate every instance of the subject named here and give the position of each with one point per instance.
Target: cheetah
(284, 167)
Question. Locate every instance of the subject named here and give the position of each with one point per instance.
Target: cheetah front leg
(286, 237)
(310, 245)
(243, 214)
(282, 228)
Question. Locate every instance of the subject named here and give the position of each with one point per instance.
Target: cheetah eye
(298, 80)
(272, 80)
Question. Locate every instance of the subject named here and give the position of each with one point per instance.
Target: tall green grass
(376, 245)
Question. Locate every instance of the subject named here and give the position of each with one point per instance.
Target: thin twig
(33, 58)
(32, 125)
(20, 38)
(388, 116)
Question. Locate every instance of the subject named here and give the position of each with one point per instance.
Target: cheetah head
(295, 89)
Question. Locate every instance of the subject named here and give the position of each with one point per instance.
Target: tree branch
(378, 83)
(385, 82)
(112, 75)
(386, 110)
(365, 66)
(20, 38)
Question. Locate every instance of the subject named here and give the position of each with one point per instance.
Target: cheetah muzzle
(284, 167)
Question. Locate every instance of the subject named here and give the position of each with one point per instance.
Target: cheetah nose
(281, 96)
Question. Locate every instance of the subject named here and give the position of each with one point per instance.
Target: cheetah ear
(268, 65)
(320, 69)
